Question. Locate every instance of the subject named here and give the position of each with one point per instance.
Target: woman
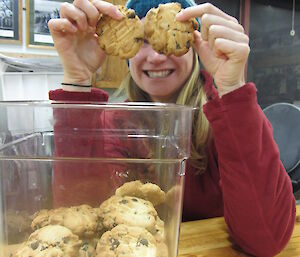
(235, 168)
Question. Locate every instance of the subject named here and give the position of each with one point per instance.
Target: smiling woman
(225, 174)
(160, 76)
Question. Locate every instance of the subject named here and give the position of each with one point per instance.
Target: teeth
(158, 74)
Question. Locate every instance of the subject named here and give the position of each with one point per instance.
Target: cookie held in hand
(167, 35)
(122, 38)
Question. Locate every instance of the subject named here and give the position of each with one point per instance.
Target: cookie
(122, 38)
(124, 241)
(131, 211)
(88, 248)
(81, 220)
(52, 240)
(150, 192)
(167, 35)
(159, 233)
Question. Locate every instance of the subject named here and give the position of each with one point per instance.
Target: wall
(274, 63)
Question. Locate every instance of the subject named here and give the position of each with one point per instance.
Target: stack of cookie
(126, 224)
(132, 223)
(161, 29)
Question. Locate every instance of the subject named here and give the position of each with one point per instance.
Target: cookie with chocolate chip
(122, 38)
(124, 241)
(52, 240)
(128, 210)
(88, 247)
(167, 35)
(148, 191)
(81, 220)
(159, 234)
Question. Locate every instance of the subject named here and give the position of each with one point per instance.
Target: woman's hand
(75, 39)
(222, 45)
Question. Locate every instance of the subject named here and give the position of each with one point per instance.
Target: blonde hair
(192, 94)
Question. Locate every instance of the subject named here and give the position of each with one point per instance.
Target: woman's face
(160, 76)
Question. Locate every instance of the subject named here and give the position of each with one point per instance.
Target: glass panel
(274, 63)
(110, 166)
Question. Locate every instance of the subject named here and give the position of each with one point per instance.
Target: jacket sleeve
(96, 95)
(259, 207)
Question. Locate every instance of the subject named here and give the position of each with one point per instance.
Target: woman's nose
(155, 57)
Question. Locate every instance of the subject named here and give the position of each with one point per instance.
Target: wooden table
(210, 238)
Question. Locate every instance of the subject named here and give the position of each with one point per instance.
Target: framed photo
(11, 21)
(39, 12)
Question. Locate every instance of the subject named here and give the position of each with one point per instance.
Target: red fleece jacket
(245, 180)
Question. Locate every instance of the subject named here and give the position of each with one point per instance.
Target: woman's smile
(158, 73)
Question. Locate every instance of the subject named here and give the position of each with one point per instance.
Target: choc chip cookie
(81, 220)
(148, 191)
(167, 35)
(52, 240)
(128, 210)
(124, 241)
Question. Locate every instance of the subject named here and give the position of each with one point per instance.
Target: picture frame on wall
(11, 22)
(38, 13)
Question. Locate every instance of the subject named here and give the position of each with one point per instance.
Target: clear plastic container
(60, 161)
